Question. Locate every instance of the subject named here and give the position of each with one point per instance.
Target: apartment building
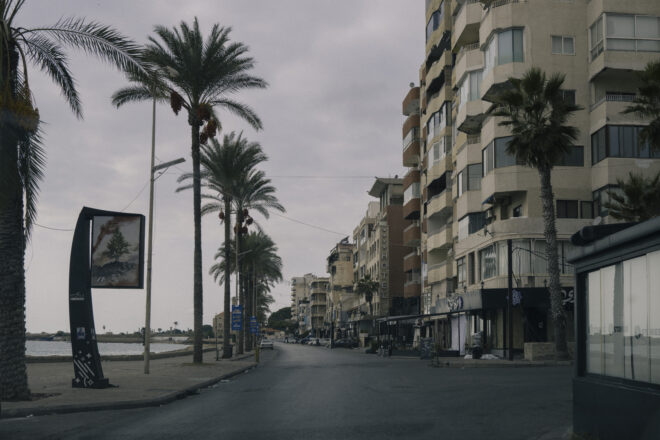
(379, 252)
(300, 302)
(466, 196)
(340, 289)
(318, 294)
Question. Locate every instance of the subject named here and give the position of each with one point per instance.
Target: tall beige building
(379, 252)
(466, 196)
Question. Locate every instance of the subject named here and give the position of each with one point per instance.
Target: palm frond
(32, 162)
(96, 39)
(48, 56)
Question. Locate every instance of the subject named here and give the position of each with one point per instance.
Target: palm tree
(22, 156)
(264, 268)
(224, 167)
(200, 76)
(537, 114)
(638, 200)
(647, 105)
(367, 287)
(254, 193)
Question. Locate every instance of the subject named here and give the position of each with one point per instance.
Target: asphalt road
(308, 392)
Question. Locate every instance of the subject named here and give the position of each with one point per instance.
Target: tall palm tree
(535, 111)
(224, 169)
(647, 105)
(638, 200)
(254, 193)
(200, 76)
(22, 156)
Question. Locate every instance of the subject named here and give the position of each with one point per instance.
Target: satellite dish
(597, 221)
(412, 85)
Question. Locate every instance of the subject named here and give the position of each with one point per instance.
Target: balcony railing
(615, 97)
(412, 136)
(465, 49)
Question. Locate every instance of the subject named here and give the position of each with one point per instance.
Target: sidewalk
(169, 379)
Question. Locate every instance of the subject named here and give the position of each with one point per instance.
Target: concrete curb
(117, 357)
(128, 404)
(504, 364)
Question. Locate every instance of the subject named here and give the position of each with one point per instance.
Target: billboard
(118, 251)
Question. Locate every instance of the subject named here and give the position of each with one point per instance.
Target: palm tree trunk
(550, 234)
(226, 345)
(239, 293)
(198, 295)
(248, 308)
(13, 372)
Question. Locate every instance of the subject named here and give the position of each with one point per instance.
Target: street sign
(254, 325)
(236, 315)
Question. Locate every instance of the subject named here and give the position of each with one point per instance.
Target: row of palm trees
(179, 65)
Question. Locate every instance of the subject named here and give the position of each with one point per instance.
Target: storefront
(459, 317)
(616, 388)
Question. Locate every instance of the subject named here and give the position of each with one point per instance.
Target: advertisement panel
(117, 251)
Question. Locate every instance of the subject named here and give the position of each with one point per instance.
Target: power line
(52, 229)
(310, 225)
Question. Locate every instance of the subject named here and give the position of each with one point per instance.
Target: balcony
(440, 272)
(440, 205)
(411, 209)
(410, 103)
(466, 23)
(503, 14)
(412, 289)
(441, 239)
(411, 152)
(507, 181)
(471, 116)
(607, 110)
(603, 61)
(439, 167)
(412, 235)
(497, 79)
(469, 201)
(412, 262)
(468, 59)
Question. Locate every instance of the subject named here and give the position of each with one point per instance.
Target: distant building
(340, 289)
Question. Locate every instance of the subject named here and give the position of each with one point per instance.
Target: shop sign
(455, 303)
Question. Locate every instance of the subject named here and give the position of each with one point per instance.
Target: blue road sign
(254, 325)
(236, 321)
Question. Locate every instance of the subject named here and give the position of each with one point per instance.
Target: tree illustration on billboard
(117, 251)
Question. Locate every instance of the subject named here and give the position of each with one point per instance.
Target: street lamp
(152, 170)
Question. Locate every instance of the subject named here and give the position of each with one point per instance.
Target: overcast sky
(338, 72)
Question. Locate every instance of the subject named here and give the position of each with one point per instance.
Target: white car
(265, 343)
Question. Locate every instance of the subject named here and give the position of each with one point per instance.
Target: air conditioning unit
(490, 215)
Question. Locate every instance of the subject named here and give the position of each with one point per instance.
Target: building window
(435, 21)
(412, 192)
(517, 211)
(574, 157)
(623, 338)
(505, 47)
(567, 209)
(569, 96)
(496, 156)
(619, 141)
(460, 269)
(439, 150)
(562, 45)
(488, 262)
(586, 209)
(469, 89)
(469, 179)
(438, 121)
(596, 38)
(600, 197)
(640, 33)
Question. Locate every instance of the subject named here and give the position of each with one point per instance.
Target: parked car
(266, 343)
(346, 343)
